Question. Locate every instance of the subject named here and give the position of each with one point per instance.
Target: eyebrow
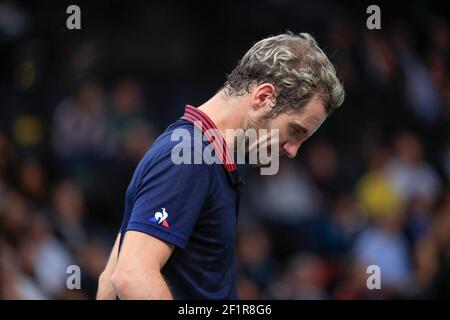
(299, 127)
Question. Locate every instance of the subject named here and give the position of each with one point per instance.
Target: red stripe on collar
(205, 124)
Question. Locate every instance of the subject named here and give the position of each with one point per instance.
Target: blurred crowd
(370, 188)
(49, 218)
(378, 195)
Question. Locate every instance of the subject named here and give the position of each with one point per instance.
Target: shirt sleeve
(169, 199)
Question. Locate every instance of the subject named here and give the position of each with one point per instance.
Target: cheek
(282, 127)
(282, 136)
(275, 135)
(276, 139)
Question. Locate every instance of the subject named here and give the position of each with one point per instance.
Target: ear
(262, 95)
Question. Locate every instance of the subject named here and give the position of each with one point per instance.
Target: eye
(296, 133)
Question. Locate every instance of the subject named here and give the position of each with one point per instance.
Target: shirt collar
(213, 134)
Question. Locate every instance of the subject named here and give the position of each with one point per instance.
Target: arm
(138, 271)
(106, 290)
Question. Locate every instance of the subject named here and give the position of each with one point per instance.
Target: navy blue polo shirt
(191, 206)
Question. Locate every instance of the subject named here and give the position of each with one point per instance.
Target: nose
(291, 149)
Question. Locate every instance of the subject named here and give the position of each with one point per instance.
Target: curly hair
(295, 65)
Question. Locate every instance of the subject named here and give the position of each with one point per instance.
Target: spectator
(80, 131)
(68, 214)
(408, 171)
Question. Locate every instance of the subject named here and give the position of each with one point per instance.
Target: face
(297, 126)
(293, 127)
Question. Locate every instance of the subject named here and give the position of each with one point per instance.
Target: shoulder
(181, 133)
(180, 140)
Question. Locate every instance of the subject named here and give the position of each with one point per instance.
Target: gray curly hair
(295, 65)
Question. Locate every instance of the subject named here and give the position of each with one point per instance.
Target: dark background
(78, 108)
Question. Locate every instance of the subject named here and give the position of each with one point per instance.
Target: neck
(226, 112)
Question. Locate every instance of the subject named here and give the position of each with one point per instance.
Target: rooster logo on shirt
(160, 218)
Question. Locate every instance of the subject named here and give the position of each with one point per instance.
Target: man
(178, 233)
